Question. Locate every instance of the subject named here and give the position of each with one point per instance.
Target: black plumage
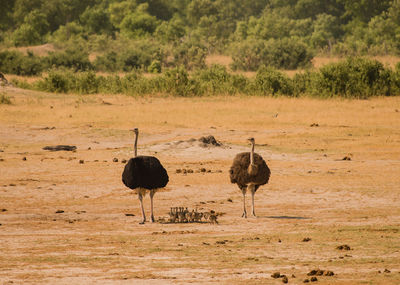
(249, 171)
(145, 172)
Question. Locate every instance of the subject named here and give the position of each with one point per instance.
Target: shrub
(107, 62)
(354, 77)
(270, 81)
(190, 55)
(283, 53)
(217, 80)
(85, 83)
(56, 81)
(15, 62)
(155, 66)
(72, 58)
(4, 99)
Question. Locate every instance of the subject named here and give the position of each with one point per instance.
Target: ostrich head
(251, 140)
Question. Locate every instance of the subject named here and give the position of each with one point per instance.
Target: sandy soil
(65, 222)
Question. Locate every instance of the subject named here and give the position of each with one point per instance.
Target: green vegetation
(173, 38)
(4, 99)
(352, 78)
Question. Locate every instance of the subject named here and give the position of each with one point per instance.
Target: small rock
(306, 281)
(81, 161)
(312, 272)
(59, 211)
(306, 239)
(190, 171)
(329, 273)
(230, 200)
(115, 159)
(24, 158)
(346, 158)
(129, 215)
(276, 275)
(285, 279)
(314, 125)
(314, 279)
(386, 271)
(123, 161)
(178, 171)
(203, 169)
(3, 210)
(343, 247)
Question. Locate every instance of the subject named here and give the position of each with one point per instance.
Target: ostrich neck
(136, 139)
(252, 155)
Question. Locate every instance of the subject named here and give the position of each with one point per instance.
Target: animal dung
(60, 148)
(319, 272)
(343, 247)
(184, 215)
(276, 275)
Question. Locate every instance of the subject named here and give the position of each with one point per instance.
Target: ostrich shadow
(284, 217)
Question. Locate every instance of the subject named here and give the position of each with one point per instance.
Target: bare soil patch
(62, 221)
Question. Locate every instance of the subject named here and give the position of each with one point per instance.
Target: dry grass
(331, 201)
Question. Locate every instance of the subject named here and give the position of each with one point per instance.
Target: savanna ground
(65, 222)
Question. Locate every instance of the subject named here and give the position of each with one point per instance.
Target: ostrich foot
(152, 219)
(244, 215)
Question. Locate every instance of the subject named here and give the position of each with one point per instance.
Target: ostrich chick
(249, 171)
(144, 174)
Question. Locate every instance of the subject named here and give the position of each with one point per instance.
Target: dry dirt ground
(66, 222)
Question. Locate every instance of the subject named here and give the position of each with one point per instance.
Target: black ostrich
(249, 171)
(144, 174)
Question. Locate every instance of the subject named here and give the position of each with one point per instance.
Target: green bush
(284, 53)
(269, 81)
(15, 62)
(72, 58)
(4, 99)
(217, 80)
(58, 81)
(107, 62)
(85, 83)
(354, 77)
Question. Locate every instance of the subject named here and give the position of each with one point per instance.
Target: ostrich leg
(141, 206)
(244, 215)
(152, 192)
(253, 192)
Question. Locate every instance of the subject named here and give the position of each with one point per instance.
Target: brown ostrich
(144, 174)
(249, 171)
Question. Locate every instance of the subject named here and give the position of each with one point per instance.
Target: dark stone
(60, 148)
(276, 275)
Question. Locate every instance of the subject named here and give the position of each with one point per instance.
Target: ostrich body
(249, 171)
(144, 174)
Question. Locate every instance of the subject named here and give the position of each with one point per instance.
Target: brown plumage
(249, 171)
